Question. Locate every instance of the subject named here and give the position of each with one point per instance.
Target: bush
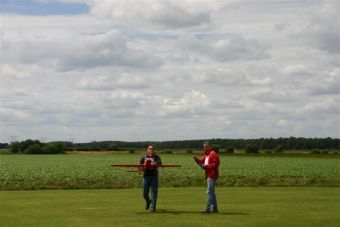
(33, 149)
(36, 147)
(83, 149)
(113, 147)
(316, 151)
(278, 148)
(189, 151)
(229, 150)
(26, 147)
(27, 143)
(131, 151)
(53, 148)
(69, 149)
(15, 147)
(251, 149)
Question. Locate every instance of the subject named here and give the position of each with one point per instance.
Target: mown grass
(94, 171)
(239, 206)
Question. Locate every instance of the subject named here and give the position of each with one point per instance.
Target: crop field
(80, 171)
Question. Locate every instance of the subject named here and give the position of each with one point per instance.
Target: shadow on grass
(165, 211)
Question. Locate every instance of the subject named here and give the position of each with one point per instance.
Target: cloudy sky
(86, 70)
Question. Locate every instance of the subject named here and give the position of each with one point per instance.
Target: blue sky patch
(34, 7)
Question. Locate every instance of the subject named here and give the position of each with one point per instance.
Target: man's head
(150, 151)
(206, 146)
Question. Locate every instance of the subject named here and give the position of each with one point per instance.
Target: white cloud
(328, 106)
(282, 123)
(232, 76)
(326, 83)
(81, 52)
(281, 26)
(323, 31)
(193, 102)
(231, 48)
(142, 70)
(271, 96)
(296, 70)
(163, 14)
(112, 82)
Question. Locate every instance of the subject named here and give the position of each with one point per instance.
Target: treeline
(4, 145)
(291, 143)
(228, 145)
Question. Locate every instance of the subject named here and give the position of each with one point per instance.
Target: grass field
(239, 206)
(72, 171)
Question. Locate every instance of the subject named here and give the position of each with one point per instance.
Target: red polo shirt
(213, 162)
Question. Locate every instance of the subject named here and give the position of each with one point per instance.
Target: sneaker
(152, 210)
(148, 202)
(214, 211)
(206, 211)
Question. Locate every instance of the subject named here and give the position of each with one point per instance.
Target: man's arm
(199, 161)
(142, 160)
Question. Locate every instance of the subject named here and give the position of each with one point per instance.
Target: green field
(79, 171)
(239, 206)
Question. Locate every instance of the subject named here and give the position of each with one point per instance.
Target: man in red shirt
(210, 163)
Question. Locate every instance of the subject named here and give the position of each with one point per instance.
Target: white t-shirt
(206, 160)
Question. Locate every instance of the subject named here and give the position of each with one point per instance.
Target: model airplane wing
(143, 167)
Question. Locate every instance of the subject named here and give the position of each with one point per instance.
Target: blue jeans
(211, 196)
(150, 182)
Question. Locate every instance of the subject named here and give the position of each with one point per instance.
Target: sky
(94, 70)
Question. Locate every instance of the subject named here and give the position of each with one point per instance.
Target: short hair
(206, 143)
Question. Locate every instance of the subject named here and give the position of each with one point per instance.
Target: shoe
(147, 204)
(206, 211)
(214, 211)
(152, 210)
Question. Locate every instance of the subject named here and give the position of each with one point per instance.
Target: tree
(113, 147)
(230, 150)
(53, 148)
(278, 148)
(215, 148)
(33, 149)
(27, 143)
(15, 147)
(251, 149)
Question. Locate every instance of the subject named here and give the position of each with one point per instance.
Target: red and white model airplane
(142, 167)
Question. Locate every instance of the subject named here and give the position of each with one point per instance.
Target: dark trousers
(150, 182)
